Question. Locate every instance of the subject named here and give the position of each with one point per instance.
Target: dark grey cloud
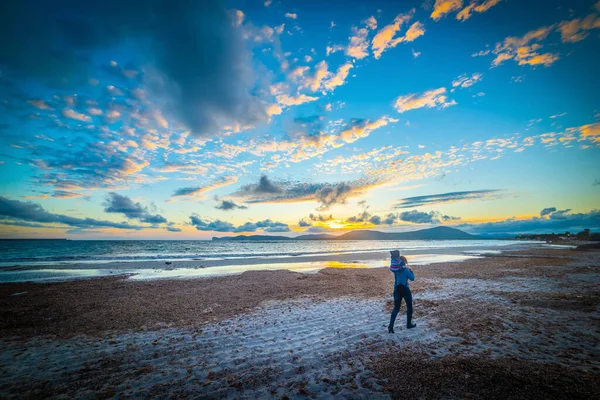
(186, 191)
(326, 194)
(11, 210)
(451, 197)
(547, 211)
(362, 217)
(264, 186)
(172, 228)
(197, 63)
(267, 225)
(375, 220)
(320, 217)
(390, 219)
(419, 217)
(565, 222)
(116, 203)
(335, 194)
(560, 214)
(303, 223)
(227, 205)
(223, 226)
(217, 225)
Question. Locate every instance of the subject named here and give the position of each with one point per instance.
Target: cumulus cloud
(287, 100)
(385, 38)
(358, 46)
(431, 98)
(547, 211)
(199, 192)
(525, 50)
(14, 210)
(577, 29)
(116, 203)
(72, 114)
(475, 6)
(563, 221)
(419, 217)
(335, 194)
(326, 194)
(227, 205)
(451, 197)
(264, 186)
(291, 15)
(443, 7)
(464, 81)
(197, 65)
(223, 226)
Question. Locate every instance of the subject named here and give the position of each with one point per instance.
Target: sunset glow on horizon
(194, 119)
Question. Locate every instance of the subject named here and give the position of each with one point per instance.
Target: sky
(188, 120)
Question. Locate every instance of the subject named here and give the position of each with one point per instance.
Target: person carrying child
(402, 274)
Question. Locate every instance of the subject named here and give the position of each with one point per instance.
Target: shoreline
(278, 334)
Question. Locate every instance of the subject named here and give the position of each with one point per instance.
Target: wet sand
(278, 334)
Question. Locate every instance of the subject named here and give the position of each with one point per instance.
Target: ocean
(65, 252)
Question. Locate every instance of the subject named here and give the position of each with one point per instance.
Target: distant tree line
(585, 234)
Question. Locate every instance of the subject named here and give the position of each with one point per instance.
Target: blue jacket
(402, 276)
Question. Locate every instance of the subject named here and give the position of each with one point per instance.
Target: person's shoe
(390, 329)
(411, 326)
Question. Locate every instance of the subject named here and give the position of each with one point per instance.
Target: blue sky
(184, 119)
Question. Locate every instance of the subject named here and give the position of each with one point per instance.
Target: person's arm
(410, 274)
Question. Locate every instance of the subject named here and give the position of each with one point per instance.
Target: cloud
(222, 226)
(72, 114)
(217, 225)
(314, 81)
(116, 203)
(452, 197)
(197, 66)
(431, 98)
(291, 15)
(199, 192)
(443, 7)
(227, 205)
(41, 104)
(267, 225)
(358, 46)
(326, 194)
(339, 78)
(547, 211)
(30, 212)
(563, 221)
(333, 49)
(287, 100)
(264, 186)
(524, 50)
(384, 39)
(464, 81)
(576, 29)
(475, 6)
(419, 217)
(335, 194)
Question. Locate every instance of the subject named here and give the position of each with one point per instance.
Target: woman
(402, 274)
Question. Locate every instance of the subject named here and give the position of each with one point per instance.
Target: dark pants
(402, 292)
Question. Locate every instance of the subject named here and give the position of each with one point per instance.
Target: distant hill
(437, 233)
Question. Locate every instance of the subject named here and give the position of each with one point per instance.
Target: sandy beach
(521, 324)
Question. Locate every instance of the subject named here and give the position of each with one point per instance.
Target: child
(402, 274)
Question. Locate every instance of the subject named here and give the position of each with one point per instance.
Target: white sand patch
(281, 349)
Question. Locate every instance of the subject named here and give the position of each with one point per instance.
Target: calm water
(61, 252)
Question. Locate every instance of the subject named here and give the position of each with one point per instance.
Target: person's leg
(409, 309)
(397, 304)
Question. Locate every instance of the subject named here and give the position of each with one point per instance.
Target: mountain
(437, 233)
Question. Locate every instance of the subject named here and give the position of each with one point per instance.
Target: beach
(510, 324)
